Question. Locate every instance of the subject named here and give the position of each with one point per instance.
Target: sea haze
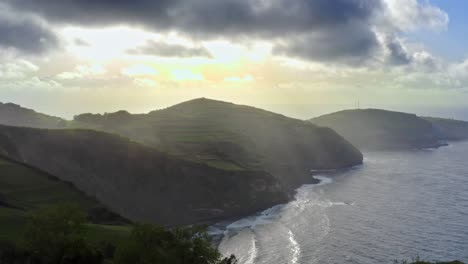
(397, 205)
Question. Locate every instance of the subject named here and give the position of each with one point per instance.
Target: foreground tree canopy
(59, 235)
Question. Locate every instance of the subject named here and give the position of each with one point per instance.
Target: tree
(56, 235)
(150, 244)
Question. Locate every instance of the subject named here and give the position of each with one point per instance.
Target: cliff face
(381, 129)
(233, 136)
(138, 182)
(450, 129)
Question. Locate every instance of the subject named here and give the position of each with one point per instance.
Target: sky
(301, 58)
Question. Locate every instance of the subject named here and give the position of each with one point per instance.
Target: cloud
(96, 13)
(303, 20)
(24, 34)
(80, 42)
(83, 72)
(407, 15)
(16, 70)
(162, 49)
(397, 53)
(352, 43)
(338, 31)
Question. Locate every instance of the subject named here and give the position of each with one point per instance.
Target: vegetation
(15, 115)
(450, 129)
(156, 244)
(230, 136)
(24, 189)
(123, 173)
(59, 235)
(381, 129)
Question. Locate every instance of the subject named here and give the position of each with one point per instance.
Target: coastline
(217, 231)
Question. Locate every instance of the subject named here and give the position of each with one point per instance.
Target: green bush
(56, 235)
(156, 244)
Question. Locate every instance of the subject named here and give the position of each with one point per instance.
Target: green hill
(24, 189)
(140, 182)
(15, 115)
(450, 129)
(234, 137)
(199, 161)
(381, 129)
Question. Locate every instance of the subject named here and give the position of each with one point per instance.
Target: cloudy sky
(297, 57)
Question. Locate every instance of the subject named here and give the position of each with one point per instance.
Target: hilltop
(381, 129)
(233, 137)
(450, 129)
(389, 130)
(15, 115)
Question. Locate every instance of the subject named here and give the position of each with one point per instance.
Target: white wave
(295, 248)
(253, 251)
(339, 169)
(269, 215)
(265, 217)
(328, 203)
(323, 180)
(215, 230)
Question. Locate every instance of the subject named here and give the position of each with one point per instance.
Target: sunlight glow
(139, 70)
(186, 75)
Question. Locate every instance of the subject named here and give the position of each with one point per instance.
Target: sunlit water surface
(397, 205)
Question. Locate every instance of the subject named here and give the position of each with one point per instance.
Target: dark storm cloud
(353, 44)
(25, 36)
(398, 55)
(271, 18)
(155, 48)
(97, 12)
(315, 20)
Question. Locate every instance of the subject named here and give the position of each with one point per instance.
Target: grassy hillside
(15, 115)
(23, 190)
(381, 129)
(140, 182)
(233, 137)
(450, 129)
(197, 161)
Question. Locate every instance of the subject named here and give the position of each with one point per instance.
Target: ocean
(397, 205)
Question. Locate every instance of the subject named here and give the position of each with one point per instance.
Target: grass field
(23, 190)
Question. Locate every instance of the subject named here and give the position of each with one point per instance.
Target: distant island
(377, 129)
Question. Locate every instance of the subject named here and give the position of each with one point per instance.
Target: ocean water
(397, 205)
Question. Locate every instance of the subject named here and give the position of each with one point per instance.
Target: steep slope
(234, 137)
(381, 129)
(450, 129)
(140, 182)
(15, 115)
(24, 189)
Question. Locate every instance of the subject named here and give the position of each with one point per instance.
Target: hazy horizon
(298, 111)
